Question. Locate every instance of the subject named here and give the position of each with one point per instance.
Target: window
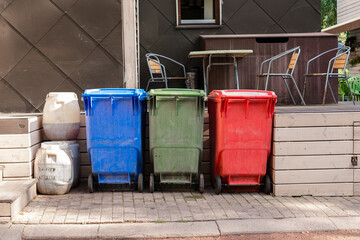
(198, 12)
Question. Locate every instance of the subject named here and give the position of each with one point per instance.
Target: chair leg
(267, 82)
(332, 93)
(147, 86)
(258, 84)
(298, 90)
(166, 83)
(326, 83)
(287, 86)
(351, 93)
(304, 88)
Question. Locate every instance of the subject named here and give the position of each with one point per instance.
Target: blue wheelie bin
(115, 122)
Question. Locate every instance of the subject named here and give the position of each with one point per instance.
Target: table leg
(208, 72)
(204, 75)
(236, 73)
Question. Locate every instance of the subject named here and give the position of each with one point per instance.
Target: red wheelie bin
(240, 138)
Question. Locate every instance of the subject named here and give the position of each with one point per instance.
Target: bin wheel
(152, 183)
(140, 183)
(267, 184)
(201, 183)
(217, 184)
(90, 183)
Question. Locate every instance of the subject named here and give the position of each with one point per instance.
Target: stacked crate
(85, 168)
(20, 138)
(315, 153)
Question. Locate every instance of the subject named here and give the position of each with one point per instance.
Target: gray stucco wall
(159, 35)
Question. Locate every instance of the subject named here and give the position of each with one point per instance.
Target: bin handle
(270, 105)
(93, 99)
(112, 100)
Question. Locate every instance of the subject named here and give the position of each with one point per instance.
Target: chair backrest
(157, 68)
(341, 61)
(293, 60)
(295, 53)
(154, 65)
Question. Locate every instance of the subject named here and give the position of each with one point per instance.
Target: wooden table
(234, 54)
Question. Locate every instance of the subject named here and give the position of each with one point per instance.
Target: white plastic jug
(54, 168)
(75, 151)
(61, 116)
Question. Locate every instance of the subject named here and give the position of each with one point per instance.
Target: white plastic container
(54, 168)
(75, 151)
(61, 116)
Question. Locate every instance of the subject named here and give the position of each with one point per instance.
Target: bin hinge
(112, 100)
(354, 160)
(154, 105)
(134, 105)
(224, 104)
(176, 104)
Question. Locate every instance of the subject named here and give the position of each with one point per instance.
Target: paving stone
(109, 207)
(47, 218)
(59, 219)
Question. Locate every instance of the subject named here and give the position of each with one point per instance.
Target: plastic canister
(54, 168)
(75, 151)
(61, 116)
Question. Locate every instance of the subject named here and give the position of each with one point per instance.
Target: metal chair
(158, 70)
(287, 75)
(338, 62)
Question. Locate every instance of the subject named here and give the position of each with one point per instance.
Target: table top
(220, 53)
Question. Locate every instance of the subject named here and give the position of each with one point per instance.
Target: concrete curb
(121, 231)
(178, 229)
(229, 227)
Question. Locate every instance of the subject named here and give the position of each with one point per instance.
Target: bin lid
(62, 95)
(177, 92)
(108, 92)
(244, 94)
(55, 145)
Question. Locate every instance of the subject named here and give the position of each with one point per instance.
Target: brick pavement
(80, 207)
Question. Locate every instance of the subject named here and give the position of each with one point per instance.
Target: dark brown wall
(57, 45)
(311, 44)
(159, 35)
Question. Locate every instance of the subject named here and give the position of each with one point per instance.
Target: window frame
(216, 22)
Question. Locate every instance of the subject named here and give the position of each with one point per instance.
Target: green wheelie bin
(176, 137)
